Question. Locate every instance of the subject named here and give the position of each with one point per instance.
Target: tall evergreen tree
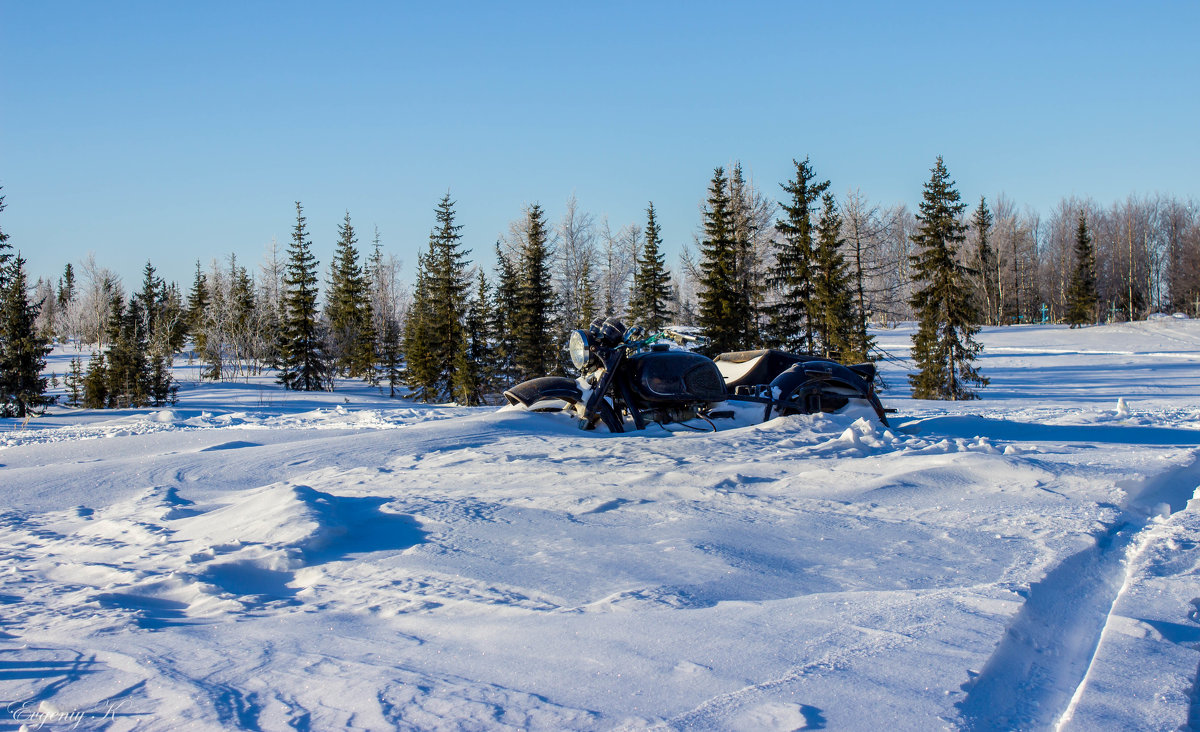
(747, 285)
(95, 383)
(724, 312)
(944, 348)
(649, 305)
(302, 364)
(790, 323)
(833, 305)
(66, 287)
(1082, 296)
(129, 369)
(987, 288)
(348, 310)
(422, 369)
(476, 358)
(536, 354)
(435, 340)
(197, 310)
(504, 318)
(22, 349)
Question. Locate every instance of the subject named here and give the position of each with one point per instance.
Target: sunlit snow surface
(256, 559)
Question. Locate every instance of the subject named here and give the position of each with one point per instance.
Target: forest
(790, 265)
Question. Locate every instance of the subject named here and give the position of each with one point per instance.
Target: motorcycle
(630, 379)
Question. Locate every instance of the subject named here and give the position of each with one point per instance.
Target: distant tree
(422, 368)
(833, 305)
(944, 348)
(73, 382)
(649, 305)
(390, 356)
(22, 349)
(95, 383)
(434, 337)
(348, 310)
(129, 369)
(302, 364)
(66, 287)
(984, 263)
(790, 323)
(1082, 296)
(476, 359)
(533, 320)
(502, 325)
(724, 309)
(197, 309)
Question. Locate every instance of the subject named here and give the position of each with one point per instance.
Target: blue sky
(182, 131)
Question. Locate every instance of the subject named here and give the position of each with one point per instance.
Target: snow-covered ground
(258, 559)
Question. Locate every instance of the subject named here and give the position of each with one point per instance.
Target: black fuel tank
(676, 376)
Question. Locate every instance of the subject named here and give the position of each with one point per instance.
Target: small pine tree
(1082, 296)
(95, 383)
(649, 306)
(73, 382)
(22, 349)
(302, 364)
(986, 288)
(790, 320)
(477, 357)
(833, 305)
(533, 320)
(503, 322)
(723, 314)
(197, 310)
(944, 348)
(348, 311)
(390, 356)
(421, 369)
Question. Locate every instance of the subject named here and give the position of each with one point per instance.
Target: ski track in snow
(993, 565)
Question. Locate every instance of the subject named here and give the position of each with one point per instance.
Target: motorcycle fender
(547, 387)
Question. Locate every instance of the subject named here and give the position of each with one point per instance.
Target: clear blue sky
(174, 131)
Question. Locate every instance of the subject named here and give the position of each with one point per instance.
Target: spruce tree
(833, 304)
(536, 354)
(130, 373)
(66, 286)
(723, 312)
(434, 338)
(651, 282)
(197, 310)
(503, 321)
(450, 284)
(747, 287)
(790, 320)
(987, 289)
(476, 360)
(22, 349)
(348, 310)
(95, 383)
(422, 369)
(944, 348)
(302, 365)
(73, 382)
(1082, 296)
(390, 356)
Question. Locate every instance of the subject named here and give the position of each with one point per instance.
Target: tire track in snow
(1040, 667)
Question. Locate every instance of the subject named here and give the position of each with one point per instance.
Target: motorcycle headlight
(579, 348)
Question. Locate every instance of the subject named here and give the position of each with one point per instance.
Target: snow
(252, 558)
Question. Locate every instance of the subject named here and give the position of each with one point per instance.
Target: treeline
(800, 269)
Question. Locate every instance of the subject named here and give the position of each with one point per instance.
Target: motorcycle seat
(749, 368)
